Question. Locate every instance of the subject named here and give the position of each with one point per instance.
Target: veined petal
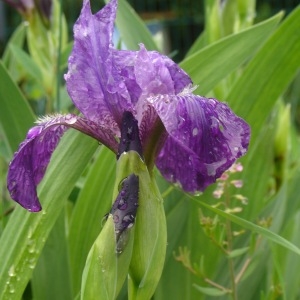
(30, 162)
(149, 72)
(205, 138)
(93, 81)
(157, 74)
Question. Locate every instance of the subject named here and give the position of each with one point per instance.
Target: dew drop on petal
(195, 131)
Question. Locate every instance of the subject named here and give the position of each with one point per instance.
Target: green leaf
(210, 291)
(16, 116)
(100, 273)
(197, 45)
(251, 226)
(132, 29)
(268, 74)
(93, 202)
(53, 266)
(238, 252)
(65, 55)
(17, 39)
(213, 63)
(27, 63)
(25, 234)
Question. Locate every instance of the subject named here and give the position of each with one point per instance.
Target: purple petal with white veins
(205, 139)
(93, 81)
(30, 162)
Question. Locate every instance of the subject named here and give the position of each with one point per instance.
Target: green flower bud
(150, 234)
(105, 270)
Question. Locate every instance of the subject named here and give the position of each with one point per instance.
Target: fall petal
(30, 162)
(205, 138)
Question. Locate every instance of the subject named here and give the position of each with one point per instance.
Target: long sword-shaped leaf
(93, 202)
(26, 233)
(268, 74)
(213, 63)
(16, 116)
(132, 29)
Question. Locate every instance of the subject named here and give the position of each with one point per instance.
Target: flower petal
(30, 162)
(157, 74)
(205, 138)
(93, 82)
(149, 73)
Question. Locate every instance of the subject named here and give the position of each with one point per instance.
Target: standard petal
(147, 73)
(93, 82)
(157, 74)
(30, 162)
(205, 138)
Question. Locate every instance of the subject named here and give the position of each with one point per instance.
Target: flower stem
(230, 260)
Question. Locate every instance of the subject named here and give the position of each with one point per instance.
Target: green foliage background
(253, 67)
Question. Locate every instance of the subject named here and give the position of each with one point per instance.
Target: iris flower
(192, 140)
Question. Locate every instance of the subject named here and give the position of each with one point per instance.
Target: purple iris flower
(191, 139)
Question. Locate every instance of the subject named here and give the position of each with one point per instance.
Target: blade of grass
(268, 74)
(251, 226)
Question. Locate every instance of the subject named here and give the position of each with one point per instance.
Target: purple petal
(93, 82)
(205, 138)
(30, 162)
(147, 73)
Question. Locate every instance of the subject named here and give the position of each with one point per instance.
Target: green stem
(230, 261)
(229, 247)
(58, 59)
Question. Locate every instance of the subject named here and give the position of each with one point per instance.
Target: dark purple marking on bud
(130, 138)
(45, 10)
(124, 208)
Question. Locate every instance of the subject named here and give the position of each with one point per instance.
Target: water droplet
(29, 236)
(197, 193)
(11, 289)
(211, 101)
(195, 131)
(12, 271)
(31, 246)
(181, 122)
(116, 218)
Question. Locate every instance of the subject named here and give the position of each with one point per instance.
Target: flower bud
(105, 271)
(150, 234)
